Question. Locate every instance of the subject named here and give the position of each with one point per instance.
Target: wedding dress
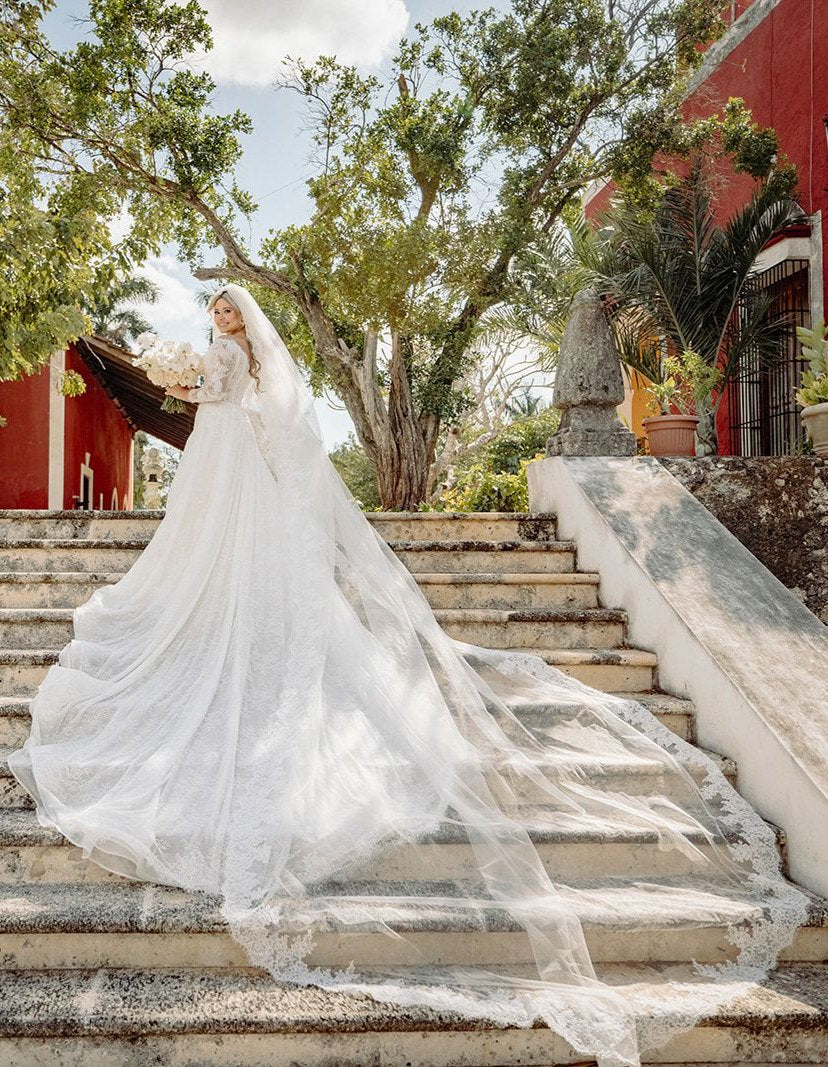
(264, 706)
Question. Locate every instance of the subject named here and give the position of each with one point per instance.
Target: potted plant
(683, 386)
(813, 395)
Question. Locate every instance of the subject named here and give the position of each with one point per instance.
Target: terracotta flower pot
(815, 418)
(671, 435)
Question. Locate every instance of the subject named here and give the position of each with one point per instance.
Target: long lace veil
(429, 747)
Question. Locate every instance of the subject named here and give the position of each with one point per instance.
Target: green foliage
(71, 384)
(687, 383)
(728, 134)
(399, 240)
(494, 477)
(815, 346)
(357, 471)
(114, 123)
(814, 388)
(521, 440)
(478, 488)
(48, 267)
(112, 315)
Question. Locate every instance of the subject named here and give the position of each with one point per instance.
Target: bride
(265, 709)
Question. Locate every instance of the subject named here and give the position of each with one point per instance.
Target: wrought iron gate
(764, 417)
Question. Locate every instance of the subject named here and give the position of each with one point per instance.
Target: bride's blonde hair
(252, 362)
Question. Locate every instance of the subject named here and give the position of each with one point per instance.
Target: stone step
(35, 627)
(67, 554)
(405, 525)
(134, 924)
(96, 554)
(636, 777)
(507, 591)
(676, 713)
(491, 556)
(564, 628)
(68, 589)
(613, 670)
(673, 712)
(572, 849)
(462, 525)
(213, 1018)
(23, 524)
(22, 670)
(51, 589)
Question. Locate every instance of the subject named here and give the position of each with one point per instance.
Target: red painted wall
(95, 425)
(24, 442)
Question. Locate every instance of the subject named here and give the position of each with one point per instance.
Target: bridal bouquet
(169, 363)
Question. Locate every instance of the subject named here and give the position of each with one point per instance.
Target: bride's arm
(218, 362)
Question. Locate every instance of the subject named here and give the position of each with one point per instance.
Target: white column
(57, 402)
(815, 275)
(130, 489)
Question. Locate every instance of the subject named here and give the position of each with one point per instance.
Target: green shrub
(357, 471)
(493, 477)
(481, 489)
(520, 440)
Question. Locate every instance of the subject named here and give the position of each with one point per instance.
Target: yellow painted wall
(634, 406)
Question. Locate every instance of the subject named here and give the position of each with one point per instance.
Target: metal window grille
(764, 417)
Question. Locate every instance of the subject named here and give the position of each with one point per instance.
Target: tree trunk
(401, 481)
(403, 459)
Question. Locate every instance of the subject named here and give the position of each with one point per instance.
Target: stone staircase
(97, 969)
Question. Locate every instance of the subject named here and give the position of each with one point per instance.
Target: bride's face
(226, 317)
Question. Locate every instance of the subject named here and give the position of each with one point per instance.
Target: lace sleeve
(218, 362)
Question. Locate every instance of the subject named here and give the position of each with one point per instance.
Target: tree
(114, 318)
(430, 183)
(681, 280)
(503, 367)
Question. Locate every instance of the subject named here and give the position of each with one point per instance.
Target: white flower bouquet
(169, 363)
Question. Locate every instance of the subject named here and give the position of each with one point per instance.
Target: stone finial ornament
(588, 386)
(153, 467)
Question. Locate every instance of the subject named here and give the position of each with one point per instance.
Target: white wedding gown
(264, 704)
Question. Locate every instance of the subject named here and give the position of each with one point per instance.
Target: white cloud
(252, 37)
(176, 314)
(120, 226)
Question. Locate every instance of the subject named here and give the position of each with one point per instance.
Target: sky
(251, 38)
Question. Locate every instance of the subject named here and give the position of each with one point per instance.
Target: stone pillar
(588, 386)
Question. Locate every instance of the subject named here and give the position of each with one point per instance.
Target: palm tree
(114, 318)
(679, 281)
(524, 404)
